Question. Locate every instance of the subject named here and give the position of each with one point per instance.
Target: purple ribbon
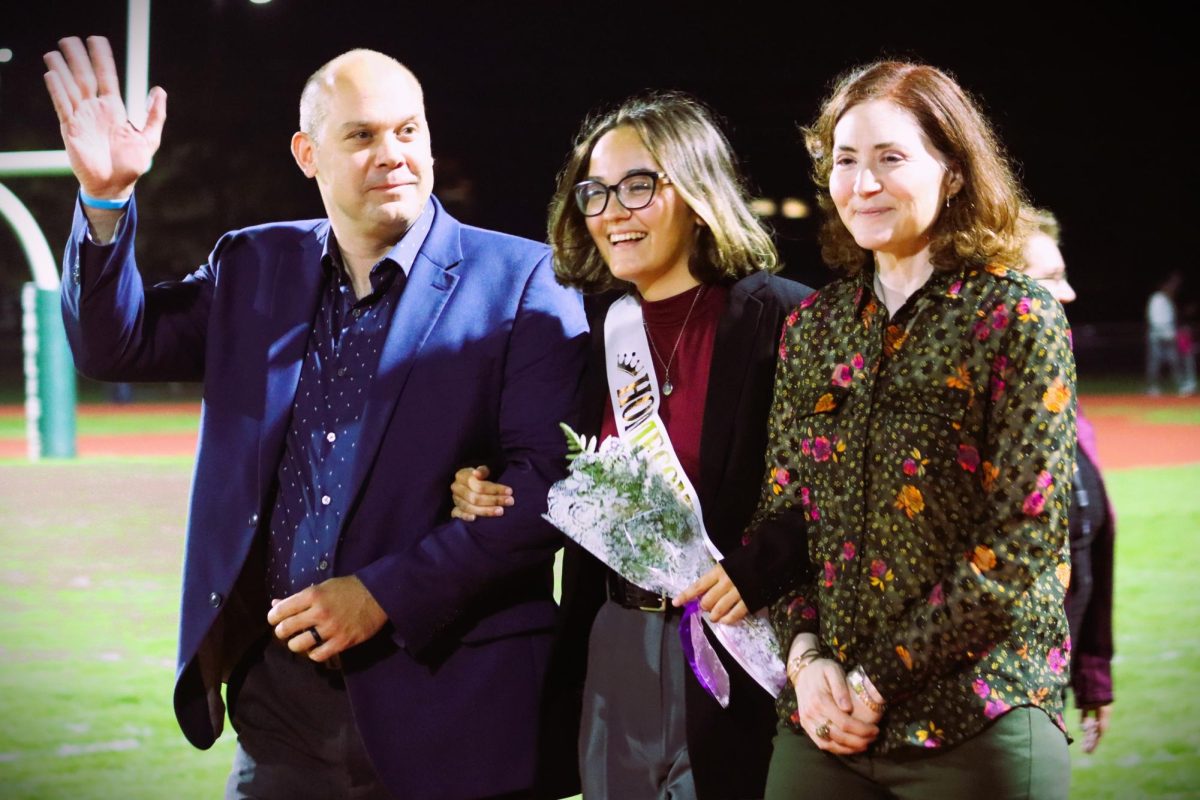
(701, 657)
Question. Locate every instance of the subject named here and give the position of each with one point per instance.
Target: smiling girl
(652, 221)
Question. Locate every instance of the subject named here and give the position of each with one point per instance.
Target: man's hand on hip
(325, 619)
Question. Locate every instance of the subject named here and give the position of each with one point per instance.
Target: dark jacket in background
(1090, 593)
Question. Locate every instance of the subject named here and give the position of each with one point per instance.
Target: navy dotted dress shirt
(314, 488)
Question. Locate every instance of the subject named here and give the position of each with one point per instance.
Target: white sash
(633, 390)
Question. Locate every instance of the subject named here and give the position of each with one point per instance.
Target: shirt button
(324, 565)
(341, 372)
(214, 600)
(356, 313)
(325, 500)
(331, 437)
(253, 520)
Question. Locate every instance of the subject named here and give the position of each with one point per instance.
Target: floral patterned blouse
(931, 455)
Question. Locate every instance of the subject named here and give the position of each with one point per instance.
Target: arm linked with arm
(774, 553)
(426, 588)
(780, 519)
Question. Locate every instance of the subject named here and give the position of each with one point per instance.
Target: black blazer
(729, 748)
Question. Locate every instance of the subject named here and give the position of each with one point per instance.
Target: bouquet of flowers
(622, 510)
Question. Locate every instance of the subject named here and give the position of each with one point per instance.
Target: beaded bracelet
(96, 202)
(799, 662)
(857, 680)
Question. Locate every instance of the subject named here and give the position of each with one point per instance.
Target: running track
(1126, 437)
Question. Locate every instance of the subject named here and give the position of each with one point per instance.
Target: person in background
(923, 422)
(1162, 344)
(650, 210)
(1089, 600)
(1185, 343)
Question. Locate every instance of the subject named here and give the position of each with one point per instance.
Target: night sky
(1091, 108)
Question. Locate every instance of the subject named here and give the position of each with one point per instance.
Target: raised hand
(107, 153)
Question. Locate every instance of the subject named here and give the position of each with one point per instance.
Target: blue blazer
(481, 363)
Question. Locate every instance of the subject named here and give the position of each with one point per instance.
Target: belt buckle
(661, 607)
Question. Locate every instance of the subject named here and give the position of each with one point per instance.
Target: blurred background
(1091, 105)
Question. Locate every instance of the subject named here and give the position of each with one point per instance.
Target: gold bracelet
(799, 662)
(857, 680)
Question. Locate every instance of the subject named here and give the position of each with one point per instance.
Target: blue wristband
(96, 202)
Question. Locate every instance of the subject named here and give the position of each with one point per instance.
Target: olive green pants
(1021, 755)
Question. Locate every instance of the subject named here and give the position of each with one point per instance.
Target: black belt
(628, 595)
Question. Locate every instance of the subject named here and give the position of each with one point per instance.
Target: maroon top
(682, 411)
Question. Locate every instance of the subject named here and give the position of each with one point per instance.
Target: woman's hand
(829, 712)
(474, 496)
(1095, 722)
(869, 705)
(721, 599)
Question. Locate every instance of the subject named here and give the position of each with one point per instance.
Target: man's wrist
(104, 203)
(104, 221)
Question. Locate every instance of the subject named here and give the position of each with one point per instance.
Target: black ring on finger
(316, 636)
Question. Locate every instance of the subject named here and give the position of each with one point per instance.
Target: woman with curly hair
(652, 221)
(923, 425)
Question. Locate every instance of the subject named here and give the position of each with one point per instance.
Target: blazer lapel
(732, 354)
(430, 285)
(294, 298)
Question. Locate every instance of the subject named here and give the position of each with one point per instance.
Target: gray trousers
(633, 737)
(296, 734)
(1160, 352)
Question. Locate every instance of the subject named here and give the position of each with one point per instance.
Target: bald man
(371, 646)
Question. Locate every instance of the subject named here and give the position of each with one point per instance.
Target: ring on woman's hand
(822, 730)
(316, 636)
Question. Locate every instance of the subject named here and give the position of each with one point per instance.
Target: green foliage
(577, 444)
(1170, 415)
(89, 424)
(653, 522)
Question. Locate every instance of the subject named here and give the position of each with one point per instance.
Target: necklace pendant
(668, 387)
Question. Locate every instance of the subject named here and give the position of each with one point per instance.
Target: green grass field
(13, 427)
(90, 581)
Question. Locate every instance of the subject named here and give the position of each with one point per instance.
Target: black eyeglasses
(634, 191)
